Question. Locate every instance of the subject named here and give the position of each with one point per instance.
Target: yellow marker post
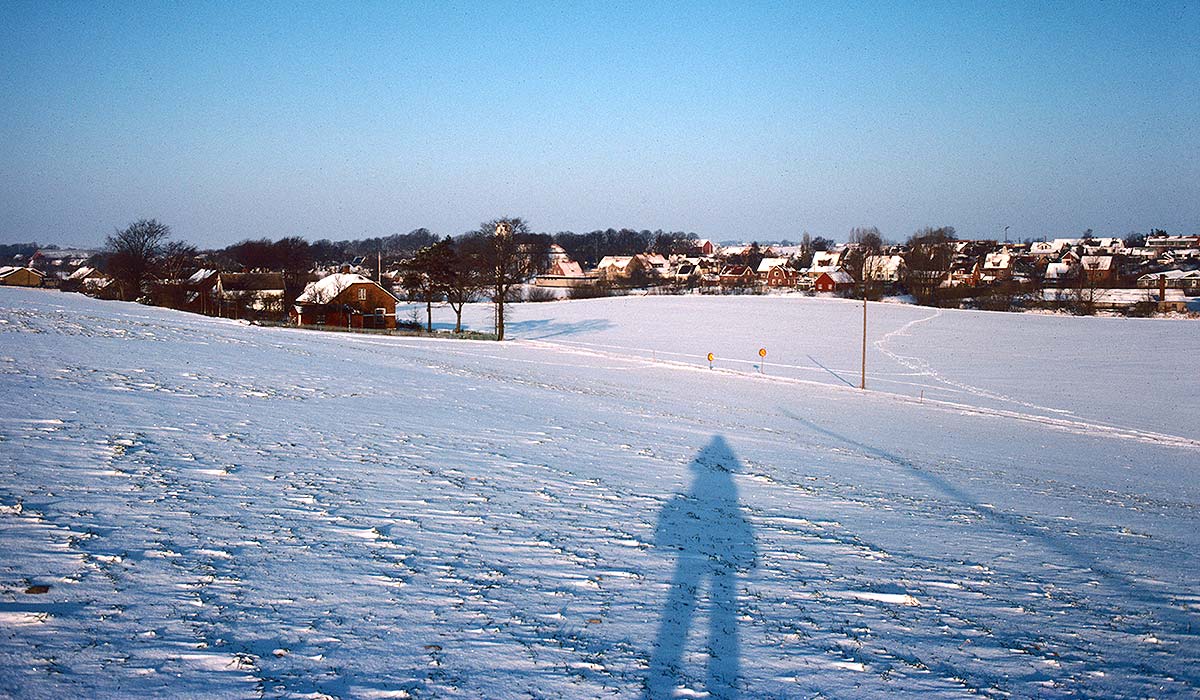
(710, 360)
(762, 352)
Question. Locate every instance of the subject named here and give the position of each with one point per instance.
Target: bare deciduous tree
(505, 263)
(133, 254)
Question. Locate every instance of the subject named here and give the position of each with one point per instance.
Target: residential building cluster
(1159, 273)
(1163, 269)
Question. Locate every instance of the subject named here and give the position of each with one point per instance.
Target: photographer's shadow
(712, 540)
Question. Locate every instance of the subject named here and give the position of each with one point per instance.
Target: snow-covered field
(590, 511)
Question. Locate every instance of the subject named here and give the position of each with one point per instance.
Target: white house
(827, 258)
(884, 268)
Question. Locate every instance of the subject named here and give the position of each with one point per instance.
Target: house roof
(882, 263)
(568, 268)
(10, 269)
(826, 258)
(619, 262)
(81, 273)
(838, 276)
(251, 281)
(1171, 275)
(768, 263)
(201, 275)
(998, 261)
(1097, 262)
(327, 288)
(1057, 269)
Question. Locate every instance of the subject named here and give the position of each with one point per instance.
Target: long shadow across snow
(537, 329)
(713, 541)
(1157, 604)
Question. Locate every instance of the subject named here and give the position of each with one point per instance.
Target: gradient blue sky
(733, 120)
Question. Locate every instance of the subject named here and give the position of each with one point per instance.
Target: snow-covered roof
(569, 268)
(1044, 247)
(840, 276)
(619, 262)
(1056, 270)
(1097, 262)
(10, 269)
(768, 263)
(81, 273)
(201, 275)
(1171, 275)
(1001, 260)
(880, 263)
(826, 258)
(655, 260)
(325, 289)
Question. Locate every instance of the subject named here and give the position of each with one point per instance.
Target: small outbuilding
(836, 281)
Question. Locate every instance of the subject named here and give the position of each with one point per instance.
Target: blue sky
(733, 120)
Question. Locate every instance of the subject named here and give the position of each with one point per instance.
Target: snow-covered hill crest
(192, 506)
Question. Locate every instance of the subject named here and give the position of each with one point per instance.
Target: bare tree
(133, 254)
(425, 273)
(177, 260)
(868, 238)
(462, 278)
(930, 252)
(506, 264)
(294, 256)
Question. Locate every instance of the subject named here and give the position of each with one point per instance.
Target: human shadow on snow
(712, 541)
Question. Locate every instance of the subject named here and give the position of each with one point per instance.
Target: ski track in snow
(227, 511)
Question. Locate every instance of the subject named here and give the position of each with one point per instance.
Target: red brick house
(345, 300)
(737, 276)
(1099, 269)
(776, 272)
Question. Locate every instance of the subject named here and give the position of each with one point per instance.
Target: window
(362, 293)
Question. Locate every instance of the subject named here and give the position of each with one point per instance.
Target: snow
(328, 287)
(766, 264)
(225, 510)
(201, 275)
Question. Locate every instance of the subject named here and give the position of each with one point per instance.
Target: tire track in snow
(923, 368)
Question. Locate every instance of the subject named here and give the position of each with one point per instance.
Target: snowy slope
(589, 511)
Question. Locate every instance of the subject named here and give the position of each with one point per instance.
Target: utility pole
(863, 378)
(863, 381)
